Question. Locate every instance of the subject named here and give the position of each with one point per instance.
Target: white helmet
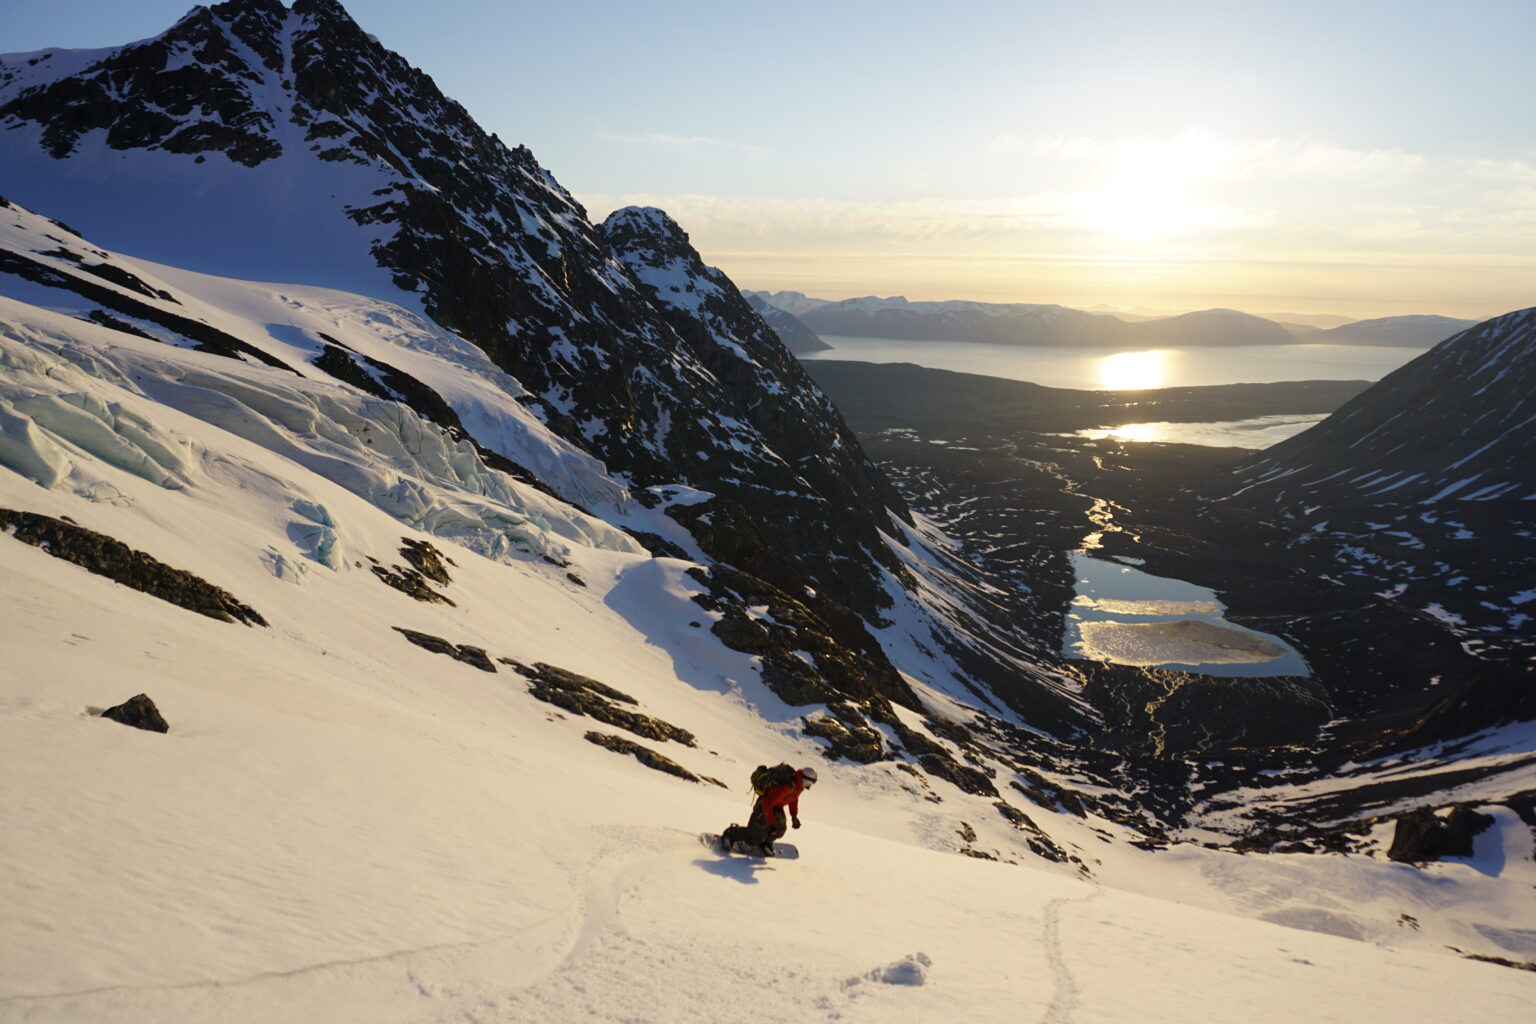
(808, 775)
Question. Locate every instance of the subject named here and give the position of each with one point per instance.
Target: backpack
(765, 778)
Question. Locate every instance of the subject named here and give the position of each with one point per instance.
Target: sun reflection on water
(1133, 371)
(1133, 432)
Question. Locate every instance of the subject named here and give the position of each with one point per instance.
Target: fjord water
(1123, 615)
(1060, 366)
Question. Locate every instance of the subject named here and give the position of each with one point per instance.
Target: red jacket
(784, 795)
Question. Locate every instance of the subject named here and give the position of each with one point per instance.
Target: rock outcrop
(140, 712)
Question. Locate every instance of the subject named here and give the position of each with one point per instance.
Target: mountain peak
(644, 226)
(232, 9)
(322, 10)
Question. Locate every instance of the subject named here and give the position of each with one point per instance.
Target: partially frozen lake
(1123, 615)
(1258, 432)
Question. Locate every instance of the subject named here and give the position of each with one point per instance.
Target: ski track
(1067, 995)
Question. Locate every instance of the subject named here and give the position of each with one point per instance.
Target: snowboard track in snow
(254, 979)
(596, 909)
(1067, 995)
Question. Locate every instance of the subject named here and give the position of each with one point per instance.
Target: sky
(1355, 158)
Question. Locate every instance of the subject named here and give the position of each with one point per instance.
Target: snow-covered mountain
(294, 130)
(1411, 330)
(793, 303)
(1420, 489)
(1033, 324)
(1453, 423)
(962, 320)
(796, 337)
(1213, 327)
(475, 553)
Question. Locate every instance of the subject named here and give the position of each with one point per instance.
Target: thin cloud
(1207, 157)
(1050, 212)
(662, 139)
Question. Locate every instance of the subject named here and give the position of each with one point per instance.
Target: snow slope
(341, 825)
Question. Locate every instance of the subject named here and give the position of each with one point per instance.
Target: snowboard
(781, 851)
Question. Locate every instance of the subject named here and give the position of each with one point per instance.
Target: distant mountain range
(1019, 323)
(791, 330)
(1417, 329)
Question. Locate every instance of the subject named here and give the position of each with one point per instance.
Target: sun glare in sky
(1306, 156)
(1152, 189)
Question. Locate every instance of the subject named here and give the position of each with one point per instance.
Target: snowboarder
(776, 788)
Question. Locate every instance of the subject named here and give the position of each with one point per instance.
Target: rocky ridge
(489, 245)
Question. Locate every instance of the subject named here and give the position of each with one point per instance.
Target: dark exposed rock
(427, 559)
(111, 272)
(926, 792)
(105, 319)
(968, 780)
(1293, 836)
(1042, 792)
(1423, 836)
(564, 679)
(915, 742)
(1039, 843)
(814, 650)
(1519, 965)
(647, 757)
(656, 544)
(139, 712)
(583, 696)
(475, 656)
(201, 106)
(339, 364)
(773, 393)
(1167, 714)
(118, 276)
(106, 556)
(411, 583)
(860, 742)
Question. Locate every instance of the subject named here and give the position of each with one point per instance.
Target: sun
(1152, 189)
(1136, 209)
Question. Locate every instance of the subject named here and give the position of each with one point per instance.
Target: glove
(796, 823)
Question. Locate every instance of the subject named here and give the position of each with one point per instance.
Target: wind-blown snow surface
(343, 826)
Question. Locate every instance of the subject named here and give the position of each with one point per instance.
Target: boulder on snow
(1423, 836)
(140, 712)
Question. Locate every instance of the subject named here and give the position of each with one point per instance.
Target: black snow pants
(757, 832)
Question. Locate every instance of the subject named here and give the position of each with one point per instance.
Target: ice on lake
(1126, 616)
(1257, 432)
